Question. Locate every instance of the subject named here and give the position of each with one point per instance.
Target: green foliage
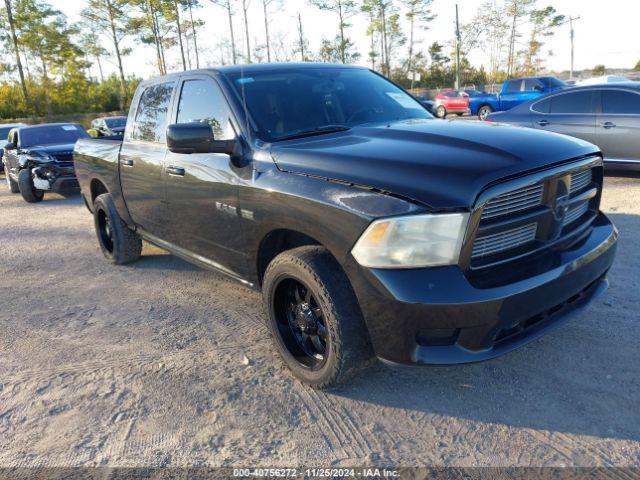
(637, 67)
(70, 94)
(599, 70)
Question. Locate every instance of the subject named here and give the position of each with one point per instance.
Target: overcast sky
(607, 32)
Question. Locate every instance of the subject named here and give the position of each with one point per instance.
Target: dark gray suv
(605, 115)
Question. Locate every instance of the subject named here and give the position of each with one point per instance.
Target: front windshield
(51, 135)
(289, 102)
(118, 122)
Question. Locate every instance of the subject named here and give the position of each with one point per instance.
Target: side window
(533, 85)
(151, 117)
(513, 86)
(202, 101)
(572, 103)
(620, 102)
(542, 106)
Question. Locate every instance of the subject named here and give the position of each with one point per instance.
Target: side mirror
(539, 88)
(189, 138)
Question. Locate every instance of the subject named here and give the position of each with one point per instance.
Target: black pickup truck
(371, 228)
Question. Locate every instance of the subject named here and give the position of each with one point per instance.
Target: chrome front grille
(575, 213)
(581, 180)
(503, 241)
(550, 207)
(512, 202)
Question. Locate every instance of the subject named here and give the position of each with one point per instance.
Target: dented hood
(442, 164)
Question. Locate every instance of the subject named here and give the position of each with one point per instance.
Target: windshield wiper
(315, 131)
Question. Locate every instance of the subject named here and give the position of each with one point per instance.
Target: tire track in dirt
(333, 418)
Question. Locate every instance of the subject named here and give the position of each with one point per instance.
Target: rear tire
(30, 193)
(119, 244)
(441, 112)
(13, 186)
(314, 317)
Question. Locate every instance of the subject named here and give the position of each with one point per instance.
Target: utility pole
(573, 35)
(458, 41)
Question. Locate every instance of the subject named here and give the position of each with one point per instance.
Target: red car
(452, 101)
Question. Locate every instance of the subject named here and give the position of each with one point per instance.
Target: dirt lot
(143, 366)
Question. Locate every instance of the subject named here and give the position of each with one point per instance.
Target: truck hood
(441, 164)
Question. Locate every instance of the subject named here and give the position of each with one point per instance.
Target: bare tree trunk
(179, 27)
(195, 36)
(411, 39)
(16, 49)
(512, 47)
(116, 46)
(100, 68)
(265, 4)
(245, 7)
(233, 40)
(343, 55)
(301, 38)
(187, 49)
(385, 46)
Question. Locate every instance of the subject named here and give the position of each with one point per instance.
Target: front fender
(333, 214)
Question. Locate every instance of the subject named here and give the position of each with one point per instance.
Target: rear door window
(542, 106)
(620, 102)
(151, 117)
(202, 101)
(572, 103)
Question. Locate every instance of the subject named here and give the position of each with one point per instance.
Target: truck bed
(97, 160)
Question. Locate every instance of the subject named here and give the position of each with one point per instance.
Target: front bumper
(55, 179)
(436, 316)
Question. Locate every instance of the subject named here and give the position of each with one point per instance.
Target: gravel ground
(143, 366)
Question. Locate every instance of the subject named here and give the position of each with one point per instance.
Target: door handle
(175, 171)
(608, 125)
(543, 123)
(126, 162)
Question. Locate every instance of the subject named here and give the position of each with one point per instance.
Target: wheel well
(97, 188)
(485, 105)
(277, 242)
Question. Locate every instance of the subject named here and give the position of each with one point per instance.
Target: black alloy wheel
(301, 324)
(105, 231)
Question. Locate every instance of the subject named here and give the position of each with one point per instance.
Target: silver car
(605, 115)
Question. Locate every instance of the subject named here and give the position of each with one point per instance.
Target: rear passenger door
(510, 96)
(618, 126)
(571, 113)
(202, 189)
(142, 159)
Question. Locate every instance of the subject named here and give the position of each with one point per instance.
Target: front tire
(119, 244)
(13, 186)
(484, 112)
(25, 183)
(315, 318)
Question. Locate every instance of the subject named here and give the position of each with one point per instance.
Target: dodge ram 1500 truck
(371, 228)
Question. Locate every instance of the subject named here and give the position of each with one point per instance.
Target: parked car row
(39, 158)
(606, 115)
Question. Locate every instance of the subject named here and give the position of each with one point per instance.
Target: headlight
(414, 241)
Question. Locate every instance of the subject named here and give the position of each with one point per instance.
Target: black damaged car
(39, 159)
